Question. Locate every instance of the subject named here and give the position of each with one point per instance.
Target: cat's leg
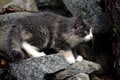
(71, 54)
(13, 44)
(68, 55)
(64, 48)
(78, 58)
(31, 50)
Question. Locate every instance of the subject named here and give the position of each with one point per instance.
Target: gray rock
(3, 2)
(5, 21)
(7, 18)
(82, 7)
(47, 2)
(96, 77)
(28, 5)
(1, 71)
(56, 6)
(79, 67)
(87, 9)
(36, 68)
(80, 76)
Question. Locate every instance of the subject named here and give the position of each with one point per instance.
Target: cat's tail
(13, 43)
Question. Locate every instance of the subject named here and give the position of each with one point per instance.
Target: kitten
(45, 30)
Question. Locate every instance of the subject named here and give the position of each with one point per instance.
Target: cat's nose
(91, 35)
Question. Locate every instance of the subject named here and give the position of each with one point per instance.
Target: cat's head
(81, 31)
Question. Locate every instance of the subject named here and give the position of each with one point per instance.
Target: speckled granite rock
(83, 7)
(36, 68)
(28, 5)
(79, 67)
(80, 76)
(86, 9)
(47, 2)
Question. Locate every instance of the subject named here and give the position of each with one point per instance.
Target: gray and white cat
(45, 30)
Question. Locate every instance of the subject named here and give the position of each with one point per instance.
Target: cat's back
(46, 21)
(38, 18)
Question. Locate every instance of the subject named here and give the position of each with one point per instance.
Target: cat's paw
(16, 55)
(79, 58)
(69, 56)
(38, 54)
(70, 59)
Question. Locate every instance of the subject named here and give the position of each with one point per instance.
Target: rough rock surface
(28, 5)
(3, 2)
(80, 76)
(47, 2)
(37, 68)
(56, 6)
(79, 67)
(86, 9)
(83, 7)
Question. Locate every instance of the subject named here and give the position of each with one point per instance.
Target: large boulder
(28, 5)
(38, 68)
(78, 67)
(80, 76)
(3, 2)
(84, 8)
(87, 9)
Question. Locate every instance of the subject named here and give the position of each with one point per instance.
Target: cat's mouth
(89, 36)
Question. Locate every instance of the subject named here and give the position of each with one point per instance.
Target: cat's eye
(85, 32)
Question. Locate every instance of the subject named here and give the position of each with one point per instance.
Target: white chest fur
(89, 36)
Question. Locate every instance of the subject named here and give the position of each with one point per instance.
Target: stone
(3, 2)
(28, 5)
(78, 67)
(56, 6)
(47, 2)
(1, 71)
(80, 76)
(36, 68)
(88, 9)
(82, 7)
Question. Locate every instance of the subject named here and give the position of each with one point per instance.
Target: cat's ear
(78, 23)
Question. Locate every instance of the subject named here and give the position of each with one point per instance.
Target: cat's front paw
(79, 58)
(16, 55)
